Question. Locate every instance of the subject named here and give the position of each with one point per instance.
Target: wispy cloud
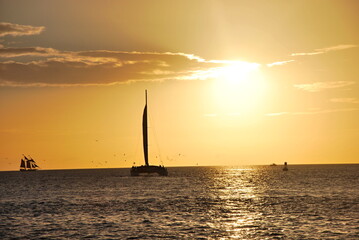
(27, 51)
(313, 112)
(279, 63)
(325, 50)
(320, 86)
(345, 100)
(13, 29)
(63, 68)
(306, 53)
(336, 48)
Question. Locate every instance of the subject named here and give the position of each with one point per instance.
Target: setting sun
(237, 73)
(238, 87)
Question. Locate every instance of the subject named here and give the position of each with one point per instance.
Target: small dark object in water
(285, 166)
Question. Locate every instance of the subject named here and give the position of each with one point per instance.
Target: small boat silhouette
(28, 164)
(285, 166)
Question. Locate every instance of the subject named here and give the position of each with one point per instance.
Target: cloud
(279, 63)
(307, 54)
(320, 86)
(67, 68)
(13, 29)
(314, 112)
(28, 51)
(325, 50)
(345, 100)
(167, 60)
(336, 48)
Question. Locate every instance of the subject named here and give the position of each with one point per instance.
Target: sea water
(257, 202)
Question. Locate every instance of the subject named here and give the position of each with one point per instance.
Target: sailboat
(147, 168)
(28, 164)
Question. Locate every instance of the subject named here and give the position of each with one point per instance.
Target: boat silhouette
(147, 168)
(27, 164)
(285, 168)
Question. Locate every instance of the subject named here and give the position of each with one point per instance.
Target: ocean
(247, 202)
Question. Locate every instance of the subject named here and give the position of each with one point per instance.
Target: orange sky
(230, 82)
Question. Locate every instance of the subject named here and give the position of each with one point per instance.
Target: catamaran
(28, 164)
(147, 168)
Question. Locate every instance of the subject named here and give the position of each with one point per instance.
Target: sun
(238, 87)
(237, 72)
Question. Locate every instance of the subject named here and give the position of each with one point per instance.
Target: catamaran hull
(137, 171)
(27, 170)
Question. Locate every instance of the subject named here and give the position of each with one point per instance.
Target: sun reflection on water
(235, 189)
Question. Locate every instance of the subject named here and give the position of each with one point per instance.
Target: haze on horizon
(230, 82)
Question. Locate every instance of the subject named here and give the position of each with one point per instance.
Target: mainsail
(145, 133)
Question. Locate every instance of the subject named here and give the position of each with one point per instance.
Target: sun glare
(237, 73)
(238, 87)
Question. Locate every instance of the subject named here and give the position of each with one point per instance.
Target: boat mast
(145, 132)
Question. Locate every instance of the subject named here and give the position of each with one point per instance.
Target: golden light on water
(235, 188)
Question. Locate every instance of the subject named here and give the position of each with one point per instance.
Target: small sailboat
(147, 168)
(28, 164)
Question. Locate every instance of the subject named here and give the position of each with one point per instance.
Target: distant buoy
(285, 166)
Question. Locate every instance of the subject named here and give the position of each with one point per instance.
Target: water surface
(258, 202)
